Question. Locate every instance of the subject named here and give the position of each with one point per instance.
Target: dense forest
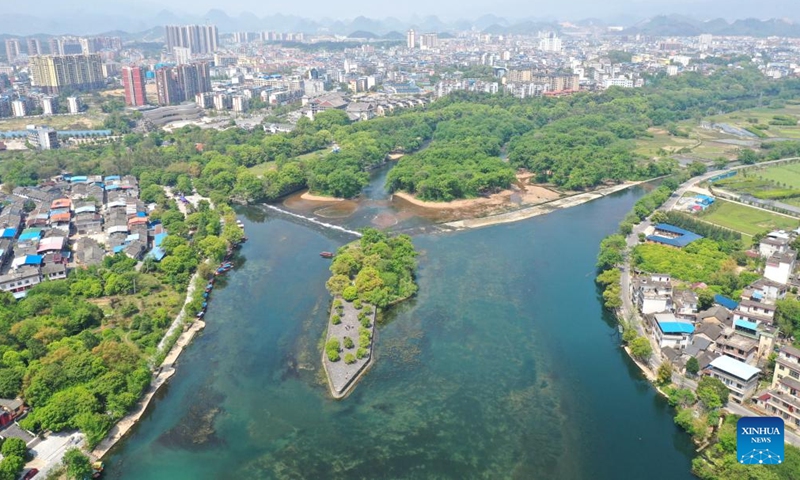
(453, 148)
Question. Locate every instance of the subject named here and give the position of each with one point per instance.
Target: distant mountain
(674, 25)
(362, 34)
(94, 20)
(394, 35)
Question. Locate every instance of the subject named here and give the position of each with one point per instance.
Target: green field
(785, 174)
(762, 116)
(746, 219)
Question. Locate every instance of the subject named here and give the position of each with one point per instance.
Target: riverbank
(165, 371)
(307, 195)
(542, 209)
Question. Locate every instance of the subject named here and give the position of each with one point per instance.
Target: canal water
(504, 366)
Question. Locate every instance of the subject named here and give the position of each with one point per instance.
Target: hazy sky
(446, 9)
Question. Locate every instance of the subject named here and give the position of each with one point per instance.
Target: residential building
(34, 46)
(43, 138)
(652, 293)
(49, 105)
(74, 105)
(671, 332)
(740, 378)
(134, 83)
(780, 266)
(20, 280)
(197, 38)
(183, 55)
(239, 103)
(783, 398)
(12, 49)
(54, 74)
(549, 42)
(183, 82)
(19, 108)
(411, 39)
(684, 303)
(428, 41)
(773, 242)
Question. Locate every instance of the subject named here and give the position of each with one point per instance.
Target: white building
(652, 294)
(74, 105)
(240, 104)
(671, 332)
(18, 108)
(740, 378)
(773, 242)
(183, 55)
(549, 42)
(411, 39)
(49, 105)
(780, 266)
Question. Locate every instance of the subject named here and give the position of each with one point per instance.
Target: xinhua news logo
(759, 440)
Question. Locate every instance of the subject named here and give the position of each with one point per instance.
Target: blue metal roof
(676, 327)
(725, 302)
(32, 260)
(686, 237)
(159, 239)
(157, 253)
(745, 324)
(8, 233)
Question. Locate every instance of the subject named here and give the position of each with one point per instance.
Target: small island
(375, 272)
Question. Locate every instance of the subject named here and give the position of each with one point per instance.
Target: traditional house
(740, 378)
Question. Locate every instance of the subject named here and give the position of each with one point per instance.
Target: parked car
(30, 473)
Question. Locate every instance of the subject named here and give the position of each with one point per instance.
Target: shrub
(350, 293)
(337, 303)
(365, 322)
(367, 309)
(332, 348)
(349, 358)
(362, 352)
(363, 341)
(357, 304)
(348, 342)
(336, 320)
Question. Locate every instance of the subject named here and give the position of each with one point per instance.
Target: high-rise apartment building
(411, 39)
(183, 82)
(54, 74)
(197, 38)
(19, 108)
(549, 42)
(34, 46)
(134, 83)
(12, 49)
(429, 41)
(55, 46)
(183, 55)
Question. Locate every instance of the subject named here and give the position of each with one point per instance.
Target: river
(504, 366)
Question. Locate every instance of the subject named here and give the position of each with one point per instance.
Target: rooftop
(734, 367)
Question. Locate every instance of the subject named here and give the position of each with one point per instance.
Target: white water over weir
(314, 220)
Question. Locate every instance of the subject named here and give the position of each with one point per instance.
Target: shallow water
(504, 366)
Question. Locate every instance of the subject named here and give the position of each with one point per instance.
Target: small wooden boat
(326, 254)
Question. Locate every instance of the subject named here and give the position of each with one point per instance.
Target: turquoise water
(504, 366)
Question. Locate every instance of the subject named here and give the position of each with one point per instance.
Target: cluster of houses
(363, 107)
(71, 221)
(732, 339)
